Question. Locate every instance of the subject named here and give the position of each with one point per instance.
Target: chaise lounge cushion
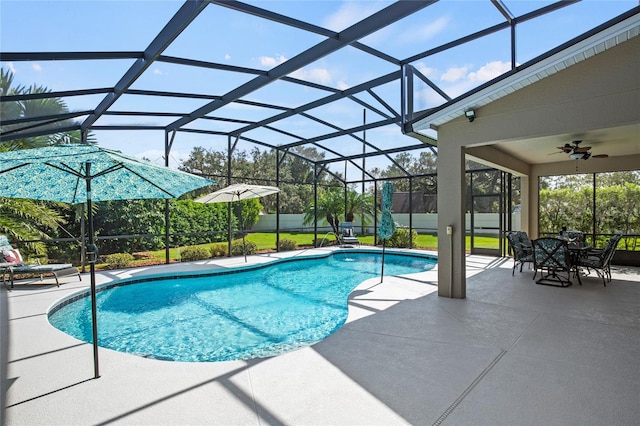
(12, 256)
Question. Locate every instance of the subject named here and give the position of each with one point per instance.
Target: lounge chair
(11, 263)
(348, 237)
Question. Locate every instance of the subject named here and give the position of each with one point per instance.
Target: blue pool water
(254, 313)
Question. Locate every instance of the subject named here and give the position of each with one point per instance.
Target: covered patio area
(512, 352)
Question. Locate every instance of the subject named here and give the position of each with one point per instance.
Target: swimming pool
(221, 315)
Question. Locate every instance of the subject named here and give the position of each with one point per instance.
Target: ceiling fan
(578, 152)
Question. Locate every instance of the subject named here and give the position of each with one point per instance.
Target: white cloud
(176, 158)
(428, 98)
(424, 32)
(36, 67)
(428, 31)
(157, 71)
(270, 61)
(316, 75)
(350, 13)
(227, 56)
(12, 68)
(490, 71)
(460, 87)
(454, 74)
(425, 70)
(342, 85)
(458, 80)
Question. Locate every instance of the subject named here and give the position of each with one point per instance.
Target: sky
(225, 36)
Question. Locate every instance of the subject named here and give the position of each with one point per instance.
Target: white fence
(485, 223)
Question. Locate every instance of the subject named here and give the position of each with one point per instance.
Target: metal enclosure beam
(361, 29)
(183, 17)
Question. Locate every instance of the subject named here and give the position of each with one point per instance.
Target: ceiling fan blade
(600, 156)
(566, 149)
(582, 149)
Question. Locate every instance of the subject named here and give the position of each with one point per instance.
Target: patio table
(577, 251)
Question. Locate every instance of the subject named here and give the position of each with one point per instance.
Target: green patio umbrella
(387, 226)
(85, 173)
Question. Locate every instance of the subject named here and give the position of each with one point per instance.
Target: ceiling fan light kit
(577, 152)
(580, 155)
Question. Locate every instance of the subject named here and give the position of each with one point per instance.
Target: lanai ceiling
(614, 142)
(327, 75)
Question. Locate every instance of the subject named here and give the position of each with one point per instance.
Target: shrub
(194, 253)
(401, 238)
(119, 260)
(236, 248)
(219, 250)
(286, 244)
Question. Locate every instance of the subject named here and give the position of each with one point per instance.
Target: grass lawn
(266, 241)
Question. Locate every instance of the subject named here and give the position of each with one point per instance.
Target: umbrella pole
(384, 243)
(244, 248)
(92, 269)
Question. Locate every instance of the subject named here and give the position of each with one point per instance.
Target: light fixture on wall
(470, 114)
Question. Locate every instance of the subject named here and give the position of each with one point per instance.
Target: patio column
(451, 213)
(528, 217)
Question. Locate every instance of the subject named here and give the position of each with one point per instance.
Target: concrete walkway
(512, 353)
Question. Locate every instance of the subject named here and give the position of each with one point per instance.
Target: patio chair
(521, 248)
(12, 264)
(347, 236)
(551, 256)
(600, 259)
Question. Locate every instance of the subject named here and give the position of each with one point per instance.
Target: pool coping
(238, 269)
(72, 297)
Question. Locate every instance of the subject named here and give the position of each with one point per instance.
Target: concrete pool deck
(512, 352)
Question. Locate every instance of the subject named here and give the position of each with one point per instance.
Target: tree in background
(187, 217)
(330, 208)
(31, 108)
(23, 220)
(258, 167)
(360, 204)
(29, 219)
(568, 201)
(129, 217)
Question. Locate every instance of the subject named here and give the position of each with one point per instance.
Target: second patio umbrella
(85, 173)
(238, 192)
(387, 225)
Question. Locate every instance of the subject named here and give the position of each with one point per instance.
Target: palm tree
(362, 204)
(330, 207)
(33, 108)
(24, 220)
(27, 219)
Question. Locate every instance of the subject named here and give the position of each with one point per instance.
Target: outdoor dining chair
(551, 257)
(600, 259)
(521, 249)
